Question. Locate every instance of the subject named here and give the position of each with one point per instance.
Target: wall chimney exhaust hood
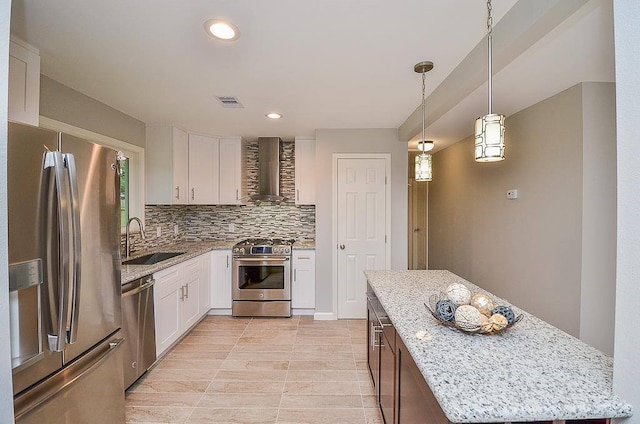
(268, 171)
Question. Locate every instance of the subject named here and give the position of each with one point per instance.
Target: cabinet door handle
(237, 194)
(298, 195)
(227, 261)
(342, 246)
(193, 194)
(181, 292)
(177, 192)
(374, 335)
(187, 290)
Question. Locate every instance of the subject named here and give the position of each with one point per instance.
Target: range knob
(287, 250)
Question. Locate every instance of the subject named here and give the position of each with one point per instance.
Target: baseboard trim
(324, 316)
(222, 312)
(303, 311)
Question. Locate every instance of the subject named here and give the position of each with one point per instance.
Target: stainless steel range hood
(268, 170)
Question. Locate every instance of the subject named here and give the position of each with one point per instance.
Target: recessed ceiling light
(273, 115)
(222, 30)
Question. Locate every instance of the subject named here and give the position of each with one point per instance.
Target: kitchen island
(531, 372)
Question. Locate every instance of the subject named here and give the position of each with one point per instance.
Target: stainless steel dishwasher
(138, 326)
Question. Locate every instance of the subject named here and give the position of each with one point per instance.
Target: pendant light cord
(423, 113)
(489, 42)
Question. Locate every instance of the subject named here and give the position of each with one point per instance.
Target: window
(124, 192)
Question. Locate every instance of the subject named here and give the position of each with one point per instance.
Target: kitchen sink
(152, 258)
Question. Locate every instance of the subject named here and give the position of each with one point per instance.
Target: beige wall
(66, 105)
(597, 301)
(530, 250)
(332, 141)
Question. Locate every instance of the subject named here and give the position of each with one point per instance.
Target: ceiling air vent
(229, 102)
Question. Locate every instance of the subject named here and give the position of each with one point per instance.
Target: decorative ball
(486, 326)
(483, 303)
(446, 310)
(498, 322)
(458, 294)
(468, 318)
(506, 312)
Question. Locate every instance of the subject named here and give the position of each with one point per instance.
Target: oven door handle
(263, 259)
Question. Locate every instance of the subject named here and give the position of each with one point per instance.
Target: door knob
(342, 247)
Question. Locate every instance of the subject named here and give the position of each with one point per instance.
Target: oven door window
(261, 277)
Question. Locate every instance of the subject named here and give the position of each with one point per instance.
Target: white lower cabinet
(190, 293)
(166, 301)
(221, 280)
(205, 289)
(303, 283)
(178, 299)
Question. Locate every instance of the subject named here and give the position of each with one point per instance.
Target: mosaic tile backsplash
(211, 222)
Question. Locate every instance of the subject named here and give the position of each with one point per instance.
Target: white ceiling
(321, 63)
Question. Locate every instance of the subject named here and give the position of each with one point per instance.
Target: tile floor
(259, 370)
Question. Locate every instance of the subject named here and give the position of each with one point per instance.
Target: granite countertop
(191, 249)
(304, 244)
(531, 372)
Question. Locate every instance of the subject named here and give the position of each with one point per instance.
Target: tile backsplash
(212, 222)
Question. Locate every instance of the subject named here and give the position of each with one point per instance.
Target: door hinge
(385, 239)
(385, 180)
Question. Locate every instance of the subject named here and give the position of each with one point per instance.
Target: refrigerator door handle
(57, 294)
(74, 288)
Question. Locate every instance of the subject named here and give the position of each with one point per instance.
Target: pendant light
(489, 146)
(424, 164)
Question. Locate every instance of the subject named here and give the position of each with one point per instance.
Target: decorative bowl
(486, 327)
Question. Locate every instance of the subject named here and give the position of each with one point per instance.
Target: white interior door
(361, 222)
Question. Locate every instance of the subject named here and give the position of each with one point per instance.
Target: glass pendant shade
(490, 138)
(426, 146)
(424, 167)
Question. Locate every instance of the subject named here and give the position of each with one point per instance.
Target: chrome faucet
(127, 241)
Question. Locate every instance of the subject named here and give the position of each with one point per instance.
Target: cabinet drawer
(167, 281)
(191, 267)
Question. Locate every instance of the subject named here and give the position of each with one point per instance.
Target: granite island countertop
(191, 249)
(531, 372)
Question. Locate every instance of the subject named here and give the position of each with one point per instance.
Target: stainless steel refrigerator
(64, 278)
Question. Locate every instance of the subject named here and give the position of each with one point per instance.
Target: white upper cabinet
(231, 171)
(305, 167)
(167, 165)
(24, 82)
(193, 168)
(203, 170)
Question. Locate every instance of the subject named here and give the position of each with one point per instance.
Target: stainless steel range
(262, 278)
